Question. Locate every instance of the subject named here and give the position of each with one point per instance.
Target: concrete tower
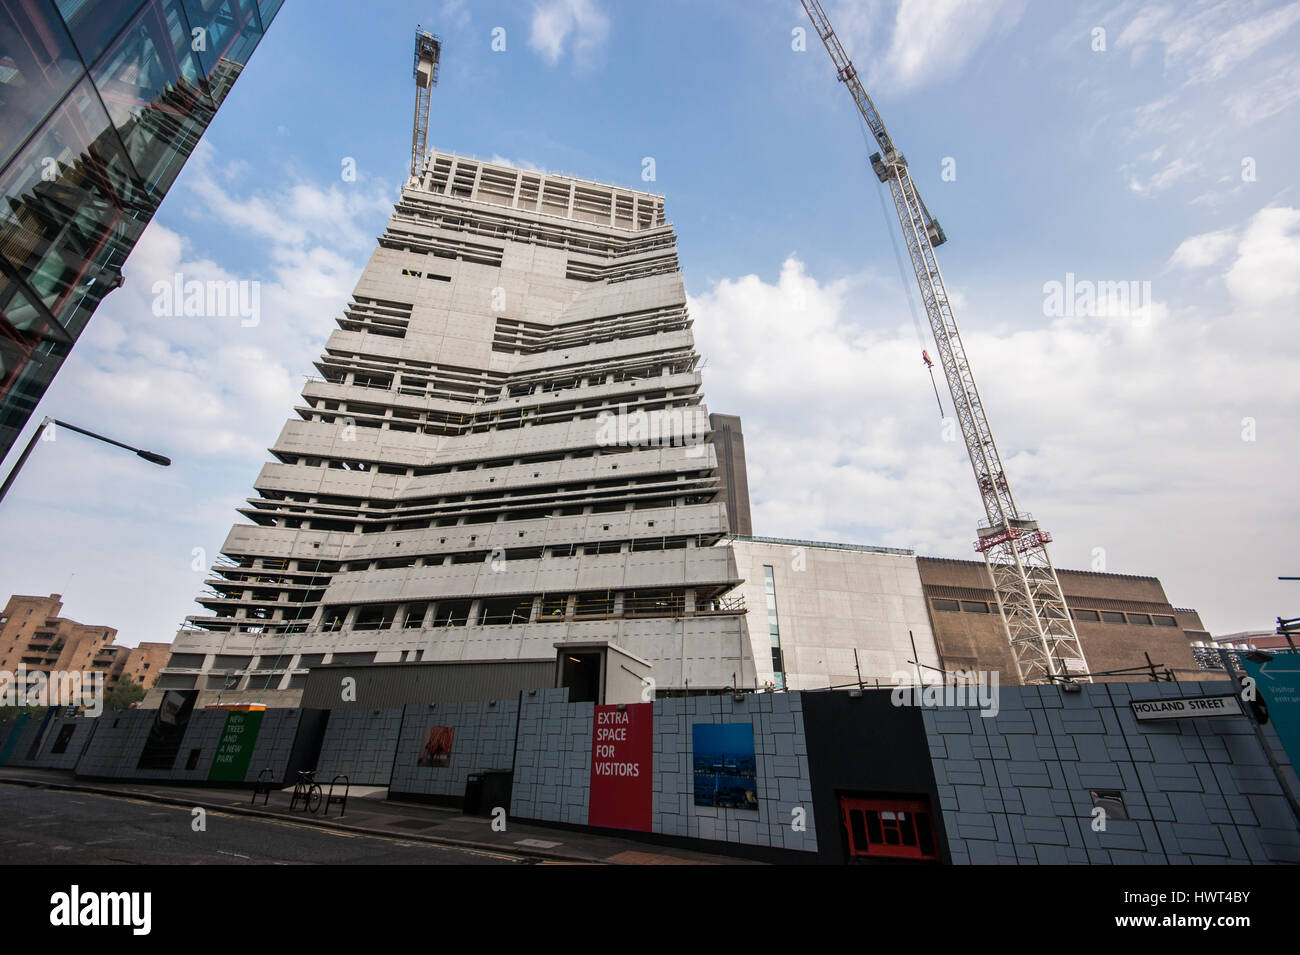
(506, 449)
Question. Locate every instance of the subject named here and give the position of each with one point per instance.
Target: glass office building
(101, 103)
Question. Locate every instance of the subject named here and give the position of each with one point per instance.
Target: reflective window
(94, 23)
(149, 82)
(38, 65)
(230, 30)
(71, 211)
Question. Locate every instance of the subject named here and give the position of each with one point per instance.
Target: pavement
(370, 813)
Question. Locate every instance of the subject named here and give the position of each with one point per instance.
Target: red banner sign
(622, 767)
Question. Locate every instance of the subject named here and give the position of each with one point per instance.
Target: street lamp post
(150, 456)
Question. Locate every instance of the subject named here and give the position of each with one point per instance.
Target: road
(41, 826)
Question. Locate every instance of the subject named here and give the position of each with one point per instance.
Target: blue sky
(1160, 441)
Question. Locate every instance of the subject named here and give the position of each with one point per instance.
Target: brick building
(1119, 618)
(32, 634)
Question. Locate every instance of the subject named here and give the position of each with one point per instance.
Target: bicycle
(308, 791)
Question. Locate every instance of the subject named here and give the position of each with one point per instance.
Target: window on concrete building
(1164, 621)
(596, 604)
(974, 606)
(888, 828)
(374, 617)
(414, 615)
(505, 610)
(1110, 616)
(1141, 619)
(949, 605)
(451, 613)
(1090, 615)
(773, 626)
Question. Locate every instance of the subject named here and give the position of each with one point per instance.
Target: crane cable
(902, 274)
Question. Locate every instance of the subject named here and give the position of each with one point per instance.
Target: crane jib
(1037, 622)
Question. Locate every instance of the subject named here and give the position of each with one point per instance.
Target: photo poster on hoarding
(169, 723)
(63, 739)
(724, 769)
(235, 747)
(622, 767)
(437, 747)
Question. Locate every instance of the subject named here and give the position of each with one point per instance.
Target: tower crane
(1031, 605)
(428, 51)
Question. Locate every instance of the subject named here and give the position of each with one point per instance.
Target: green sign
(235, 750)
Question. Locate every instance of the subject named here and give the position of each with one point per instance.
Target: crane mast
(428, 51)
(1031, 605)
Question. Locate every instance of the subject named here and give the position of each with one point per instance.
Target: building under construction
(506, 449)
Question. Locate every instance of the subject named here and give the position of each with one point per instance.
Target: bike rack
(342, 801)
(302, 791)
(262, 787)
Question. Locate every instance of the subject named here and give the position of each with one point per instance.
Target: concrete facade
(830, 600)
(506, 448)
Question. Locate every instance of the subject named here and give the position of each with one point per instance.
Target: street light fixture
(151, 456)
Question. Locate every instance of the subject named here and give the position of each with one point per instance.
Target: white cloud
(1118, 434)
(928, 40)
(554, 22)
(1209, 40)
(1266, 272)
(1255, 102)
(1173, 173)
(516, 163)
(1200, 251)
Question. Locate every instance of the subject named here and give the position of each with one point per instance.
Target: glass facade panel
(38, 65)
(71, 210)
(95, 23)
(89, 156)
(150, 84)
(231, 31)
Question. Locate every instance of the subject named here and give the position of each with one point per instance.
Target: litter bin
(473, 795)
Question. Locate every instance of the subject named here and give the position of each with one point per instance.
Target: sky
(1060, 146)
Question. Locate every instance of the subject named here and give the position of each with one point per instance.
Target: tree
(126, 692)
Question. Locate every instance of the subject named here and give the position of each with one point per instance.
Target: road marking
(537, 843)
